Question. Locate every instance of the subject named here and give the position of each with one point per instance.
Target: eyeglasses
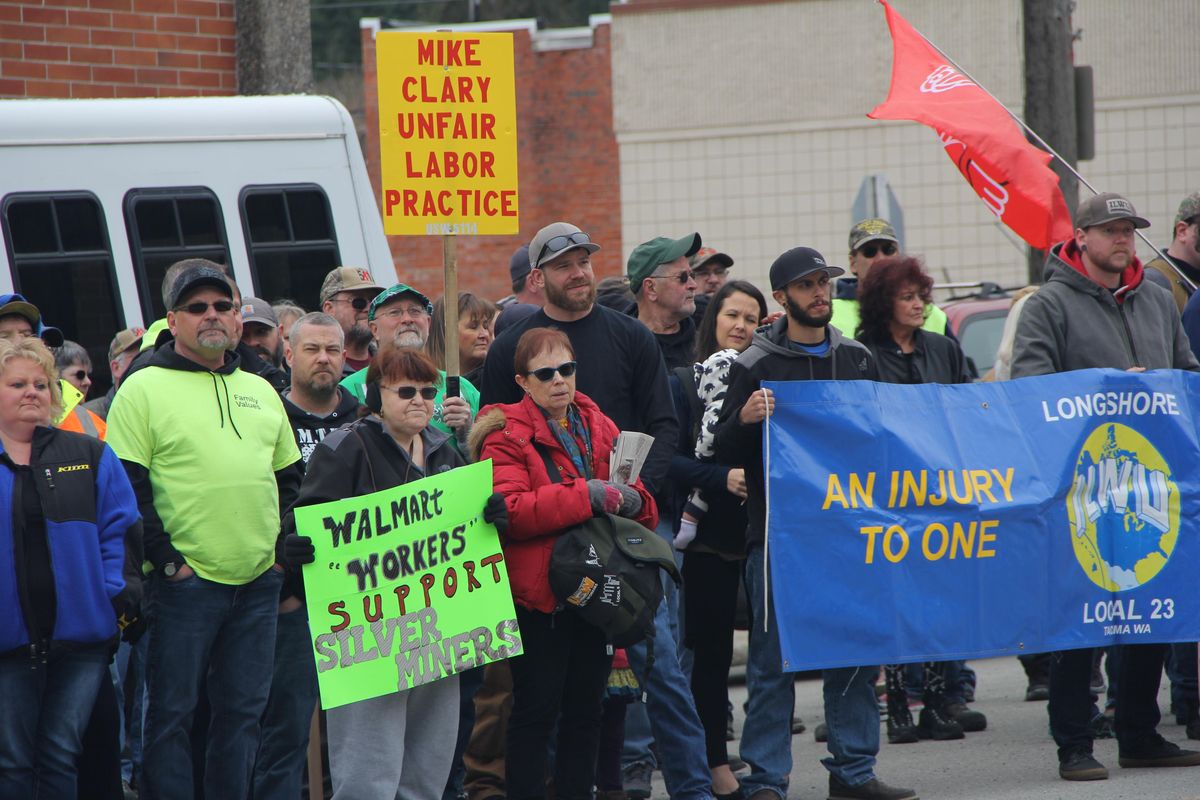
(869, 250)
(220, 306)
(719, 272)
(409, 392)
(546, 374)
(556, 243)
(415, 312)
(682, 277)
(357, 303)
(79, 374)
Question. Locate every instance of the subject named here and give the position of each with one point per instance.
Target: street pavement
(1014, 759)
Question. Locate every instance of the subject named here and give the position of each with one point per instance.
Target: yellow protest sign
(447, 133)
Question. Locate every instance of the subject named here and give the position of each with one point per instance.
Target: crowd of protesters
(157, 642)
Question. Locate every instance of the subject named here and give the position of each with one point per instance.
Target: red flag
(1009, 174)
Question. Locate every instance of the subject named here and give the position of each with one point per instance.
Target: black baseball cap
(518, 265)
(798, 262)
(193, 278)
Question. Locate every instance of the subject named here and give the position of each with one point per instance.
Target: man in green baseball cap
(662, 282)
(1182, 258)
(400, 316)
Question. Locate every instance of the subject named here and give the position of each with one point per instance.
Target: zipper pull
(49, 478)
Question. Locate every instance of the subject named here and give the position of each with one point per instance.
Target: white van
(99, 197)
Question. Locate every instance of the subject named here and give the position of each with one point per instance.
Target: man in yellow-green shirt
(212, 459)
(870, 241)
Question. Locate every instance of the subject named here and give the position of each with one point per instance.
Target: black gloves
(495, 511)
(298, 550)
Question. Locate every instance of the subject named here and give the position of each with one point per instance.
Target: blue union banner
(920, 523)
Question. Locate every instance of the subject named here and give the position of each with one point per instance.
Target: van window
(291, 241)
(169, 225)
(61, 261)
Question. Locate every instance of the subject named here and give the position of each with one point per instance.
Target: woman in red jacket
(566, 661)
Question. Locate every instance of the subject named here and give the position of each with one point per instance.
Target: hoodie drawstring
(220, 409)
(230, 407)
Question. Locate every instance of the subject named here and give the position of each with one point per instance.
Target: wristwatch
(169, 569)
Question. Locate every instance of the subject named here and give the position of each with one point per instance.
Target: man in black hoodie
(212, 461)
(315, 406)
(801, 345)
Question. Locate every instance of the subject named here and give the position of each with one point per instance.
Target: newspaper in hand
(628, 455)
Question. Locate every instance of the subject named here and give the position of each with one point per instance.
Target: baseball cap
(555, 239)
(345, 279)
(869, 230)
(193, 278)
(17, 304)
(255, 309)
(388, 295)
(124, 340)
(649, 256)
(798, 262)
(707, 254)
(518, 265)
(1106, 207)
(1189, 207)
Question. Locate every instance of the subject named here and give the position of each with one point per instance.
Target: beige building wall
(748, 123)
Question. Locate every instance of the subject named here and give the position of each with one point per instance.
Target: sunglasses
(220, 306)
(546, 374)
(409, 392)
(682, 277)
(719, 272)
(869, 250)
(556, 243)
(357, 303)
(79, 374)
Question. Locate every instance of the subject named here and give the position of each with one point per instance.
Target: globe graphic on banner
(1123, 509)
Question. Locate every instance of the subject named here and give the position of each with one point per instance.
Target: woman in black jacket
(371, 756)
(892, 300)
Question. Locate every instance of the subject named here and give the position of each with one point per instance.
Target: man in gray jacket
(1097, 310)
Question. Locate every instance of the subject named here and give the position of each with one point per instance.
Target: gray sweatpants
(397, 746)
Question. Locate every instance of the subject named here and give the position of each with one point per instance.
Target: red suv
(978, 321)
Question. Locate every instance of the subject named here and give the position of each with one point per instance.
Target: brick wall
(566, 163)
(117, 48)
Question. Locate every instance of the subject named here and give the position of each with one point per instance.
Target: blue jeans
(638, 735)
(279, 766)
(851, 712)
(46, 708)
(225, 635)
(671, 710)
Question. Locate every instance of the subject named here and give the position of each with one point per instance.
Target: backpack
(606, 570)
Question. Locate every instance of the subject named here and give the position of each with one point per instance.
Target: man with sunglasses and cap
(801, 345)
(621, 368)
(871, 240)
(661, 280)
(1098, 310)
(345, 294)
(213, 463)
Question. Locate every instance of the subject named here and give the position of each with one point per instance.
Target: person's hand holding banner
(406, 586)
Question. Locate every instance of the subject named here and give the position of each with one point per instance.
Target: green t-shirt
(356, 385)
(214, 483)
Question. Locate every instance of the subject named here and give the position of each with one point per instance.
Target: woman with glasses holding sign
(400, 744)
(893, 298)
(564, 670)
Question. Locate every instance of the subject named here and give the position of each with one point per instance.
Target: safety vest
(80, 420)
(845, 317)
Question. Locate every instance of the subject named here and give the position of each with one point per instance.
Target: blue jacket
(89, 508)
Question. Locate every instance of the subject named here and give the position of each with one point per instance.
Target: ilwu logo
(1123, 508)
(943, 79)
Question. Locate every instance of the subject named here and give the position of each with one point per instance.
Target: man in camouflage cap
(345, 294)
(872, 240)
(1182, 258)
